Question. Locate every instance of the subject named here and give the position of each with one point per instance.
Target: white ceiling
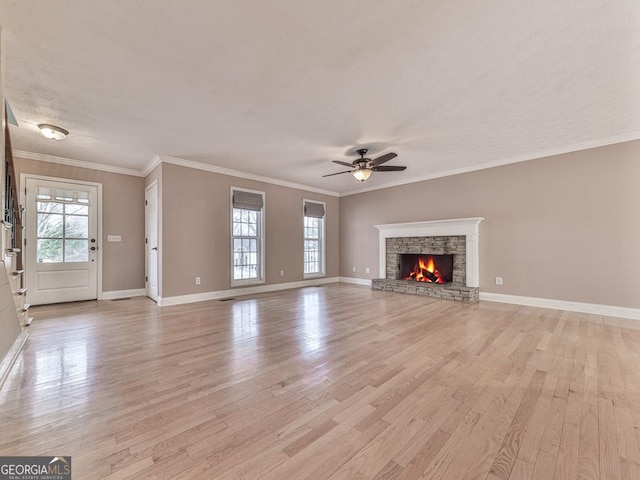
(281, 88)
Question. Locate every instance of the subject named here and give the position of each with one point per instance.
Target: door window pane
(76, 251)
(50, 207)
(76, 226)
(62, 226)
(74, 209)
(49, 251)
(50, 225)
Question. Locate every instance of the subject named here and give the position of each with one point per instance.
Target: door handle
(94, 248)
(155, 248)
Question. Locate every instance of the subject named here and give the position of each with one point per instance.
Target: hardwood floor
(332, 382)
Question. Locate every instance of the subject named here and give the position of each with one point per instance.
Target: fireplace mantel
(456, 226)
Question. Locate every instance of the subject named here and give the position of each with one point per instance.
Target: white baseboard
(116, 294)
(595, 308)
(236, 292)
(12, 355)
(356, 281)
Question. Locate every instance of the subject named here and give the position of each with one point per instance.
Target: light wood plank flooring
(333, 382)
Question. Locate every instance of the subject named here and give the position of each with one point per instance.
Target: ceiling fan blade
(343, 163)
(388, 168)
(332, 174)
(383, 158)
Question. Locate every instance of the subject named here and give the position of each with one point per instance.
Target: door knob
(94, 248)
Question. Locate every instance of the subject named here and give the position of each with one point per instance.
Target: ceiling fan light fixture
(363, 167)
(53, 132)
(361, 174)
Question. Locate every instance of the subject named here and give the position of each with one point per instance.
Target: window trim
(323, 242)
(261, 253)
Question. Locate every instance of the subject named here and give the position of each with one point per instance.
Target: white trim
(10, 358)
(40, 157)
(235, 173)
(236, 292)
(435, 228)
(356, 281)
(323, 242)
(262, 253)
(116, 294)
(23, 200)
(155, 161)
(592, 308)
(158, 159)
(627, 137)
(146, 240)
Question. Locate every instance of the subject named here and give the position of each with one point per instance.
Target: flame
(429, 267)
(425, 272)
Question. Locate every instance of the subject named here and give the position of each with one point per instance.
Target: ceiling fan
(362, 168)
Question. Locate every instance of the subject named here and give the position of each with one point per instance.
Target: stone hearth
(458, 237)
(447, 291)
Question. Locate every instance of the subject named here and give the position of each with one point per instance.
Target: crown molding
(627, 137)
(155, 161)
(158, 159)
(40, 157)
(235, 173)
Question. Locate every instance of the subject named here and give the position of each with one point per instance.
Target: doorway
(62, 255)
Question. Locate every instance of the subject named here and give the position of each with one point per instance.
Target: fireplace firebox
(425, 267)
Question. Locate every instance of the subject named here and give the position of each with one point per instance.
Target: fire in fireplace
(426, 267)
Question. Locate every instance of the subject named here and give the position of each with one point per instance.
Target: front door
(61, 241)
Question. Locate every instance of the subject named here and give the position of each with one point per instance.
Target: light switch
(114, 238)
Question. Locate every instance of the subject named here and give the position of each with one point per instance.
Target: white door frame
(146, 244)
(23, 198)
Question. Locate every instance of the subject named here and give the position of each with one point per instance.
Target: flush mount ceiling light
(53, 132)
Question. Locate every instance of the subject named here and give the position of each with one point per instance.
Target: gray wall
(196, 230)
(122, 214)
(565, 227)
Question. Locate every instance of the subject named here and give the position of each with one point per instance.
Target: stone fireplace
(443, 254)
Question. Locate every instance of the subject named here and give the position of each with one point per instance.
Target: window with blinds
(247, 239)
(314, 239)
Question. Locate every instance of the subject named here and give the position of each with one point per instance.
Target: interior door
(61, 241)
(151, 223)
